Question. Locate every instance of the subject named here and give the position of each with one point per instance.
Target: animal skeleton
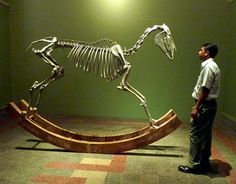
(104, 57)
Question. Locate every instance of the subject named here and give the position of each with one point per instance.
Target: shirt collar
(204, 63)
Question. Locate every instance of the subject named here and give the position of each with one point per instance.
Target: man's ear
(207, 53)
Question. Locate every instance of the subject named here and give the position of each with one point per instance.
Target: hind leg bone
(124, 85)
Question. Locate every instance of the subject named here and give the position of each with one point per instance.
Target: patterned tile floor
(26, 159)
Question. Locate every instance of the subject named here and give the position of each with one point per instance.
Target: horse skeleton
(105, 58)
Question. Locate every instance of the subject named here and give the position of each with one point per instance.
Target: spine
(66, 43)
(137, 45)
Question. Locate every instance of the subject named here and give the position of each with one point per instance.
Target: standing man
(203, 112)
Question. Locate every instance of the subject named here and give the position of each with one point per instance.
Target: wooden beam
(49, 132)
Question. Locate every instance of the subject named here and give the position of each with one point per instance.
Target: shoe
(187, 169)
(205, 166)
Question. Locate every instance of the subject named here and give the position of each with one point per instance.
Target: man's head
(208, 50)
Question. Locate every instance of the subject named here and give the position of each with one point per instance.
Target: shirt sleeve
(207, 76)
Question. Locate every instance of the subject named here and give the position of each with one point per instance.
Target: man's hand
(203, 95)
(194, 113)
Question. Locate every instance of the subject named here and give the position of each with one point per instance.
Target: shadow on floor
(219, 169)
(37, 142)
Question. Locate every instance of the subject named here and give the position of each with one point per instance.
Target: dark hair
(211, 48)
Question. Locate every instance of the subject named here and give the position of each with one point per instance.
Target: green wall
(5, 73)
(229, 78)
(165, 84)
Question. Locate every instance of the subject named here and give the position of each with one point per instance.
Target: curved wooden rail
(70, 140)
(23, 105)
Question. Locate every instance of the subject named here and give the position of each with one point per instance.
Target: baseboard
(3, 111)
(228, 120)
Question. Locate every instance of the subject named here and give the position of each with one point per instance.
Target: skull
(165, 42)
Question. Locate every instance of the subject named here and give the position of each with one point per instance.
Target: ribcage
(98, 58)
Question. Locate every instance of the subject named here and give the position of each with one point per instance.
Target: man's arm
(204, 94)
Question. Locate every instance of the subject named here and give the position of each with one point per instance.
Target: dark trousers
(201, 134)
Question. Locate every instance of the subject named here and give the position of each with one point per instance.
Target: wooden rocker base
(69, 140)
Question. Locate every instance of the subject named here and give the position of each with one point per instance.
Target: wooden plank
(58, 130)
(109, 145)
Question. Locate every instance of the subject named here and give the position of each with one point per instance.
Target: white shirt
(209, 77)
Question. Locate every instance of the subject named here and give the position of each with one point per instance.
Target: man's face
(203, 54)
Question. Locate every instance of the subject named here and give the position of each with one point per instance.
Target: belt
(207, 101)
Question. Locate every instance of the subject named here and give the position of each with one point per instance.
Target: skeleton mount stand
(107, 59)
(74, 141)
